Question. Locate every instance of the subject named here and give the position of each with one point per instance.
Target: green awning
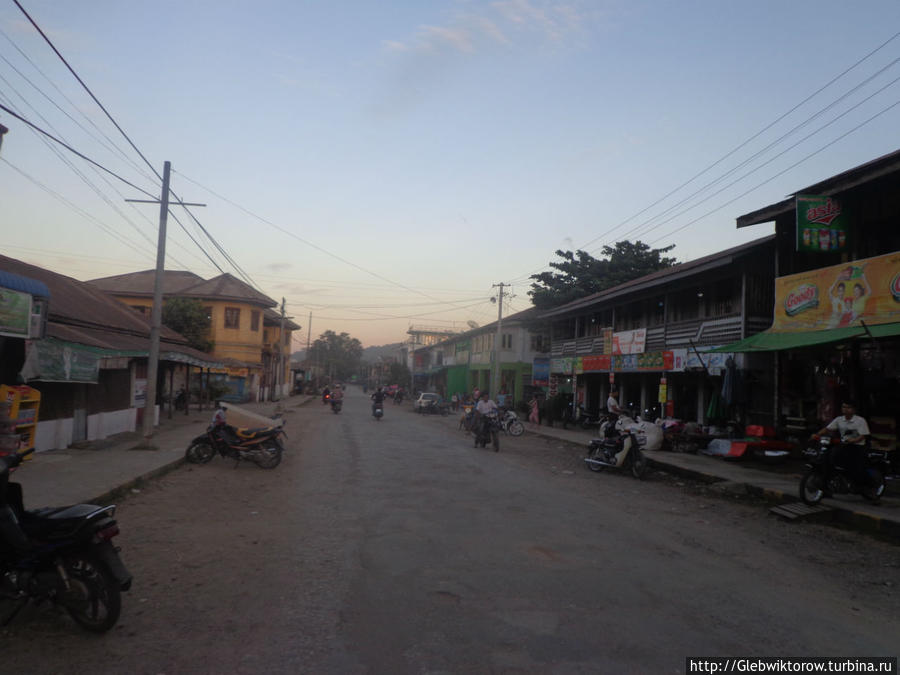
(882, 330)
(769, 341)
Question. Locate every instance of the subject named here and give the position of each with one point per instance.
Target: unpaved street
(396, 547)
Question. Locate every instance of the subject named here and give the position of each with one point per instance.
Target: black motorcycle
(582, 417)
(487, 429)
(617, 450)
(62, 555)
(261, 446)
(826, 477)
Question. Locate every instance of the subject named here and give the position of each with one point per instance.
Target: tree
(399, 373)
(580, 274)
(189, 318)
(339, 355)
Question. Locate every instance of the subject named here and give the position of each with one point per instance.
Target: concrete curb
(118, 493)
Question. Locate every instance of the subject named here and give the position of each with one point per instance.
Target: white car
(426, 400)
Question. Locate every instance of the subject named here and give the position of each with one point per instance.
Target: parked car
(426, 400)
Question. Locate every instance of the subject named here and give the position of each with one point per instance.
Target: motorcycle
(262, 446)
(510, 423)
(619, 450)
(487, 429)
(825, 478)
(434, 408)
(582, 418)
(62, 555)
(378, 411)
(336, 405)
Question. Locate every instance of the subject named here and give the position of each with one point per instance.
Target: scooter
(336, 405)
(378, 411)
(487, 429)
(619, 450)
(60, 555)
(825, 478)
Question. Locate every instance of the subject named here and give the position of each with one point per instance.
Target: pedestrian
(533, 413)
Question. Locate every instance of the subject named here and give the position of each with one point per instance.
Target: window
(232, 317)
(506, 341)
(208, 312)
(139, 308)
(539, 343)
(254, 321)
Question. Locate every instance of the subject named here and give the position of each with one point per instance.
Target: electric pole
(156, 311)
(495, 376)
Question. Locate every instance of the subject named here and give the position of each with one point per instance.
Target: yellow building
(244, 329)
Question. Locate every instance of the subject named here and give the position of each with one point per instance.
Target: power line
(727, 155)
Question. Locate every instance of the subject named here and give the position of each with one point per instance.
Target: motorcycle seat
(61, 521)
(254, 432)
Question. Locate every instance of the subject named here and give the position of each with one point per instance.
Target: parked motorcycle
(826, 478)
(582, 418)
(262, 446)
(510, 423)
(617, 451)
(434, 408)
(62, 555)
(487, 430)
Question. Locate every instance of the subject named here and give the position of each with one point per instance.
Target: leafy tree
(188, 317)
(580, 274)
(339, 354)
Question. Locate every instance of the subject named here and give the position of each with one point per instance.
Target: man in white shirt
(853, 431)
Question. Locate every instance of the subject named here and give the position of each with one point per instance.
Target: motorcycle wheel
(94, 599)
(638, 463)
(269, 456)
(516, 428)
(811, 488)
(873, 493)
(199, 453)
(495, 441)
(596, 453)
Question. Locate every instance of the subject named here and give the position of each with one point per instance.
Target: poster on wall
(540, 372)
(821, 224)
(15, 313)
(839, 296)
(629, 341)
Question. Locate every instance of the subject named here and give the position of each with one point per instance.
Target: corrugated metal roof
(226, 287)
(666, 276)
(142, 283)
(886, 164)
(80, 312)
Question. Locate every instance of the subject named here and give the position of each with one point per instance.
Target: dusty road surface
(397, 547)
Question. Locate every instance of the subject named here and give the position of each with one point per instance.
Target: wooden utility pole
(495, 376)
(156, 311)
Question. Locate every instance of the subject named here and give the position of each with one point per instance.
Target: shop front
(836, 334)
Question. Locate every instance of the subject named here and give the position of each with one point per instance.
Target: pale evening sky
(382, 164)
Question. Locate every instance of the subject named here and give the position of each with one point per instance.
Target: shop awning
(882, 330)
(769, 341)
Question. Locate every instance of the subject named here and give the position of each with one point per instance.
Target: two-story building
(245, 338)
(836, 328)
(651, 336)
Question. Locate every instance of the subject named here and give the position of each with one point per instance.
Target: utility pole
(308, 336)
(495, 375)
(280, 372)
(156, 312)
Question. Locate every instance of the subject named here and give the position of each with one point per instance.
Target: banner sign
(563, 366)
(53, 361)
(839, 296)
(15, 313)
(607, 340)
(602, 363)
(540, 372)
(648, 361)
(821, 224)
(629, 341)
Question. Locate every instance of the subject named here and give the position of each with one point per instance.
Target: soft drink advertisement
(839, 296)
(821, 224)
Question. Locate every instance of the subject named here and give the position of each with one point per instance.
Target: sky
(382, 165)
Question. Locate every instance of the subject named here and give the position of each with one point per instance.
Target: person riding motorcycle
(483, 409)
(378, 399)
(326, 392)
(854, 431)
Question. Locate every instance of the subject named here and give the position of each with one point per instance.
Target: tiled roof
(141, 283)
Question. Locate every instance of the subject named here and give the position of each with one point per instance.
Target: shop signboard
(563, 366)
(15, 313)
(553, 386)
(540, 372)
(607, 340)
(52, 361)
(821, 224)
(596, 363)
(578, 366)
(629, 341)
(839, 296)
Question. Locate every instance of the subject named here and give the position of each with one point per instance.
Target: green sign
(63, 362)
(15, 313)
(822, 224)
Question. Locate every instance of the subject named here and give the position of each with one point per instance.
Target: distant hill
(369, 355)
(372, 354)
